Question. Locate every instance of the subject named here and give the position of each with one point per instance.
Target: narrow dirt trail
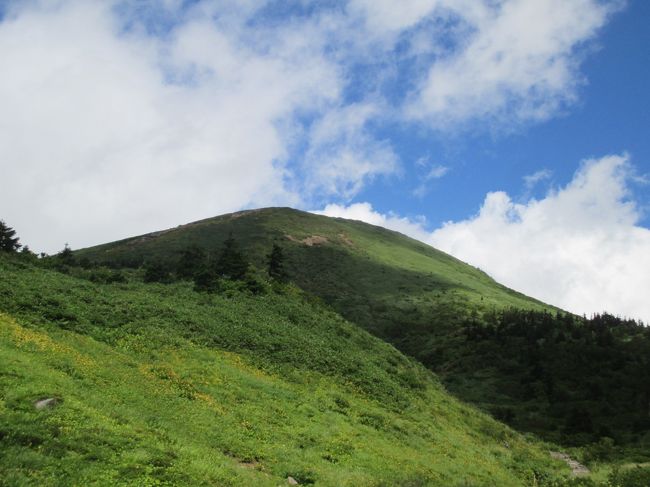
(577, 468)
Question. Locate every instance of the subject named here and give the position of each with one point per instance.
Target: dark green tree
(206, 280)
(193, 260)
(27, 254)
(231, 263)
(27, 251)
(276, 264)
(8, 239)
(155, 271)
(253, 282)
(66, 256)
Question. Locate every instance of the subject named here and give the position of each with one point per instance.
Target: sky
(512, 134)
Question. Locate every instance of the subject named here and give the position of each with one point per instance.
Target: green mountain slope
(533, 368)
(160, 385)
(389, 283)
(326, 250)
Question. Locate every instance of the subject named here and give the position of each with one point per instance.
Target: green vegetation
(226, 352)
(8, 240)
(423, 301)
(154, 384)
(276, 268)
(570, 379)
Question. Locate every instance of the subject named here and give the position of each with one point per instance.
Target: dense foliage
(276, 268)
(8, 240)
(568, 378)
(565, 384)
(157, 384)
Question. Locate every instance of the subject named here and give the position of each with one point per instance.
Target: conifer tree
(206, 280)
(231, 263)
(193, 261)
(8, 240)
(155, 271)
(276, 268)
(66, 257)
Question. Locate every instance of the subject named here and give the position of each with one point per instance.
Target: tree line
(209, 271)
(582, 378)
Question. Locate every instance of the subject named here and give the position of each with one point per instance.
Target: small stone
(292, 481)
(48, 402)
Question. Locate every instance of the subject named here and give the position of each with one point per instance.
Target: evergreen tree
(253, 282)
(155, 271)
(276, 264)
(206, 280)
(27, 254)
(193, 261)
(231, 263)
(66, 257)
(8, 240)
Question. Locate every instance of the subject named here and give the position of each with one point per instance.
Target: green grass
(399, 289)
(380, 265)
(160, 385)
(422, 301)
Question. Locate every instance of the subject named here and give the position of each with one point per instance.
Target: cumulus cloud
(343, 154)
(365, 213)
(382, 16)
(580, 247)
(108, 131)
(516, 61)
(123, 117)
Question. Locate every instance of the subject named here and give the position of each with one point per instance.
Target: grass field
(160, 385)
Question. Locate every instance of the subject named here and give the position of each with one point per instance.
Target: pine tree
(206, 280)
(231, 263)
(276, 268)
(155, 271)
(193, 261)
(8, 240)
(66, 256)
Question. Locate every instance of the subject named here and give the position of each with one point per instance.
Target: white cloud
(343, 154)
(382, 15)
(435, 171)
(365, 213)
(111, 125)
(532, 180)
(106, 133)
(581, 247)
(516, 61)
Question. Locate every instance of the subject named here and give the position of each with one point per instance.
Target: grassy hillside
(359, 268)
(160, 385)
(424, 301)
(397, 288)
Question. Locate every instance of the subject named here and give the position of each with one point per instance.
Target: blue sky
(611, 116)
(511, 133)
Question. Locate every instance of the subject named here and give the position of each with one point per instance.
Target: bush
(156, 272)
(604, 450)
(635, 477)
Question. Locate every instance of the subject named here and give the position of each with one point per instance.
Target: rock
(292, 481)
(48, 402)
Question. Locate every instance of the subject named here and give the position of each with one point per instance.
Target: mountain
(394, 286)
(107, 380)
(571, 380)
